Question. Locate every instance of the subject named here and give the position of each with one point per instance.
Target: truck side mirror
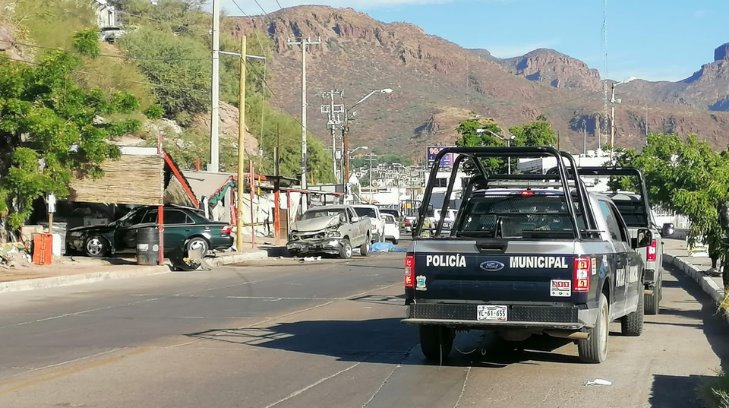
(643, 238)
(667, 229)
(355, 219)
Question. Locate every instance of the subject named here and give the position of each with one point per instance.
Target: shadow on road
(671, 391)
(388, 341)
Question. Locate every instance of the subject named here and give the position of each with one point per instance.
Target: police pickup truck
(524, 257)
(636, 211)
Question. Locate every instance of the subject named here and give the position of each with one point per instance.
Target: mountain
(437, 83)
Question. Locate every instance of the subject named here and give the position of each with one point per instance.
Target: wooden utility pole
(241, 143)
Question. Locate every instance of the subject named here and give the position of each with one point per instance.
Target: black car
(185, 229)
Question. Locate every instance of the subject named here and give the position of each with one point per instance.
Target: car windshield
(311, 214)
(389, 211)
(365, 212)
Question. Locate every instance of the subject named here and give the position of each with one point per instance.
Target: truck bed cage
(561, 177)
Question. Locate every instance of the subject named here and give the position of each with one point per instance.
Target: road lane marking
(382, 384)
(310, 386)
(463, 390)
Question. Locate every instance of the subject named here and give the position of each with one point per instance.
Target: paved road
(319, 335)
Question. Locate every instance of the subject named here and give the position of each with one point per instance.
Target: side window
(175, 217)
(624, 234)
(150, 217)
(351, 214)
(612, 223)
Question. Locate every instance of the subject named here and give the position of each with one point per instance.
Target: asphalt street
(322, 334)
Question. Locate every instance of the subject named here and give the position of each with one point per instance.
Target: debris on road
(310, 259)
(598, 381)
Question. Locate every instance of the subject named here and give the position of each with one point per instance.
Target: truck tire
(436, 342)
(345, 252)
(652, 302)
(595, 348)
(632, 324)
(364, 249)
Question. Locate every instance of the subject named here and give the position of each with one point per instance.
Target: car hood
(316, 224)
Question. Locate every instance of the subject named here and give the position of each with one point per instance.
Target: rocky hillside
(434, 79)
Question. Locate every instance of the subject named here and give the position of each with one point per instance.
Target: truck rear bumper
(568, 317)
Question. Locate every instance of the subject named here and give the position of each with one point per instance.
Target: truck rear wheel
(632, 324)
(364, 249)
(436, 342)
(653, 300)
(345, 252)
(594, 349)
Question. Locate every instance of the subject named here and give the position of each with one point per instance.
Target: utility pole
(303, 42)
(215, 107)
(241, 144)
(334, 121)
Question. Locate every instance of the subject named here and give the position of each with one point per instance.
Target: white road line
(381, 385)
(463, 390)
(308, 387)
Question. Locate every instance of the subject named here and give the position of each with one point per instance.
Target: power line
(259, 6)
(279, 5)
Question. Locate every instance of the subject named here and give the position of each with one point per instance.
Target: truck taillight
(409, 275)
(581, 275)
(226, 230)
(651, 251)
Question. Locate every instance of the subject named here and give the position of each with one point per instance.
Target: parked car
(392, 228)
(377, 228)
(185, 229)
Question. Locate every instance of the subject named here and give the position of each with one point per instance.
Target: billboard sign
(445, 162)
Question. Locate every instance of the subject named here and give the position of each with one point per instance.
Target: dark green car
(185, 229)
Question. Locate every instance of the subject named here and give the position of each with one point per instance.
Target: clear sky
(648, 39)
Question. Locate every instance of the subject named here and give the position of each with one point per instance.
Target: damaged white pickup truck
(334, 230)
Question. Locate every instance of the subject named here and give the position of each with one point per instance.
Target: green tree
(50, 128)
(482, 132)
(687, 176)
(537, 133)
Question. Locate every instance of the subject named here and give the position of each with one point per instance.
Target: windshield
(311, 214)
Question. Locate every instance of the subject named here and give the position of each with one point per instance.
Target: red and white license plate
(492, 312)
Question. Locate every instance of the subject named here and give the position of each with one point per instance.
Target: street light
(505, 139)
(345, 129)
(613, 101)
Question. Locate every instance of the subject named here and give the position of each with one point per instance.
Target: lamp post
(345, 128)
(349, 156)
(613, 101)
(505, 139)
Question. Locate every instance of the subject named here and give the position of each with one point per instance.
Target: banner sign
(445, 162)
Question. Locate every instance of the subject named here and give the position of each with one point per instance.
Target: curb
(237, 258)
(706, 283)
(69, 280)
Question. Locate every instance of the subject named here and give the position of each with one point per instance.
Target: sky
(648, 39)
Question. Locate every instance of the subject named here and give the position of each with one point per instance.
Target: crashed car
(332, 230)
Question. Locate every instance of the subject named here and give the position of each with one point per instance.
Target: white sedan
(392, 228)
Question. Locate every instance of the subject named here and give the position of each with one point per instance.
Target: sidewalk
(75, 270)
(676, 253)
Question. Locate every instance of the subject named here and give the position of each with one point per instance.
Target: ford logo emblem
(492, 266)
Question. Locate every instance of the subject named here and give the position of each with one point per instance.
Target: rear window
(516, 216)
(633, 212)
(365, 212)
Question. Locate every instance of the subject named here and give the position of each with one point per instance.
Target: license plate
(490, 312)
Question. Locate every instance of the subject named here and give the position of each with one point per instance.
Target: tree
(537, 133)
(482, 132)
(51, 128)
(686, 176)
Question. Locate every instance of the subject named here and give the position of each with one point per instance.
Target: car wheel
(652, 301)
(197, 244)
(345, 252)
(436, 342)
(364, 249)
(632, 324)
(394, 241)
(594, 349)
(96, 246)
